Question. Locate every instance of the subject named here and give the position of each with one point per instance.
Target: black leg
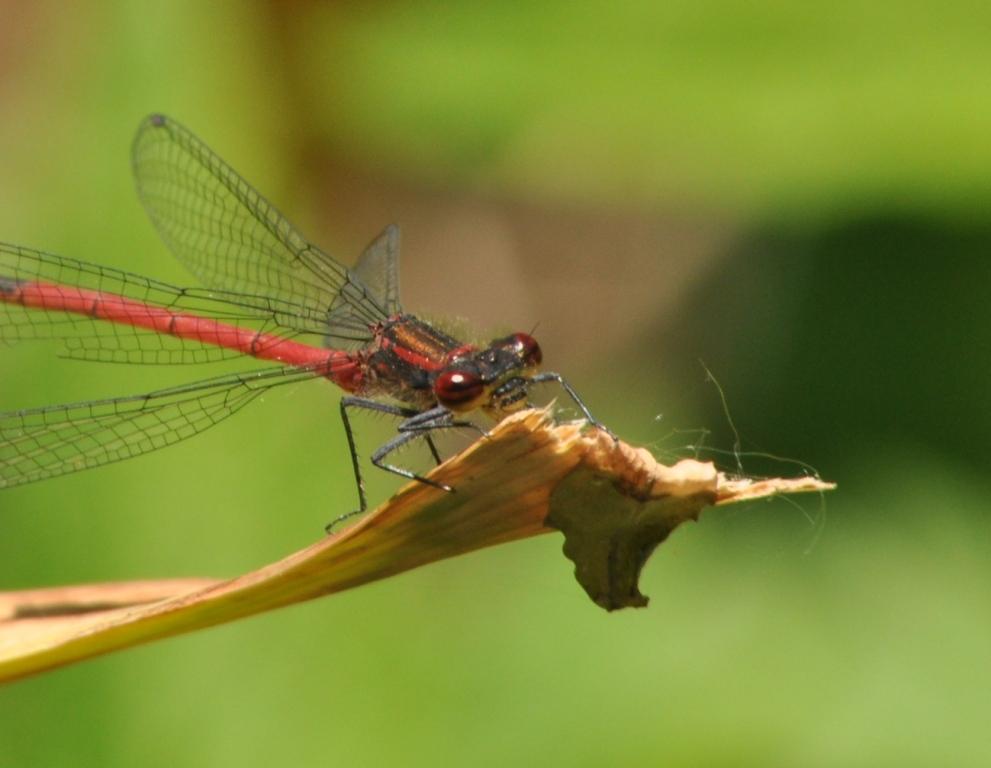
(540, 378)
(433, 448)
(437, 418)
(420, 425)
(416, 424)
(397, 442)
(369, 405)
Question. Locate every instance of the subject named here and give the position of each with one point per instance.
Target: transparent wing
(93, 339)
(233, 239)
(44, 442)
(378, 271)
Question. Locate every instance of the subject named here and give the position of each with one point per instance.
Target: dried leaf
(613, 502)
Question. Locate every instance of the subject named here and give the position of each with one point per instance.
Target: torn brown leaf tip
(620, 504)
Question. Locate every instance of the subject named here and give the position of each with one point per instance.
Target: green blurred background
(795, 194)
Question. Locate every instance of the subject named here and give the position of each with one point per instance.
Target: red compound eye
(529, 348)
(458, 390)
